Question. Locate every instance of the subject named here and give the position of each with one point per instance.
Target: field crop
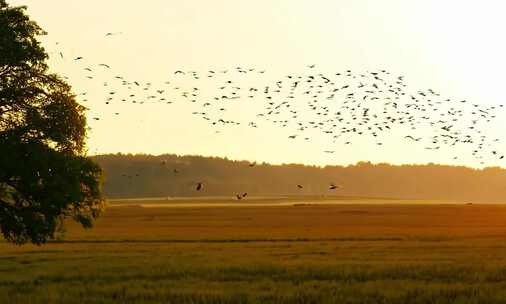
(350, 253)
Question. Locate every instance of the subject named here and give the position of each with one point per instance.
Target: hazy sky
(454, 47)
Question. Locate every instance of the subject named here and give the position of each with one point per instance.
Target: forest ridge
(130, 176)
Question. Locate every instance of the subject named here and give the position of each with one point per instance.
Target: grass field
(346, 253)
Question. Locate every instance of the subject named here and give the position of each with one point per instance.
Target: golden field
(359, 251)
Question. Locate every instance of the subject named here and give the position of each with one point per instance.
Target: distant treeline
(130, 176)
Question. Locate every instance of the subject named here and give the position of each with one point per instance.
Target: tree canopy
(128, 176)
(45, 175)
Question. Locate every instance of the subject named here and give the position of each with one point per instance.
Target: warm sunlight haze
(252, 152)
(450, 47)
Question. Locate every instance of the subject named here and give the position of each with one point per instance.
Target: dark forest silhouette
(129, 176)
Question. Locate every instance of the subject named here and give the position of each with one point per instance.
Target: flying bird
(333, 186)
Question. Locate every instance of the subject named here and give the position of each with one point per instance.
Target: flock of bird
(342, 107)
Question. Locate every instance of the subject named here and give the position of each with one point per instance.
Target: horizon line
(300, 164)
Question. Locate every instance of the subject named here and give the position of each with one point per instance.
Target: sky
(453, 47)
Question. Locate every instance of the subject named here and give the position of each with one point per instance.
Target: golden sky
(453, 47)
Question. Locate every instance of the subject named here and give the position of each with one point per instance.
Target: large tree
(45, 176)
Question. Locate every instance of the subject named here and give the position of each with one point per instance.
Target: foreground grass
(331, 254)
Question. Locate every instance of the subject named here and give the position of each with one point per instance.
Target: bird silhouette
(333, 186)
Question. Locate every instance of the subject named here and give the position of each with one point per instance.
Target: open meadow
(354, 252)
